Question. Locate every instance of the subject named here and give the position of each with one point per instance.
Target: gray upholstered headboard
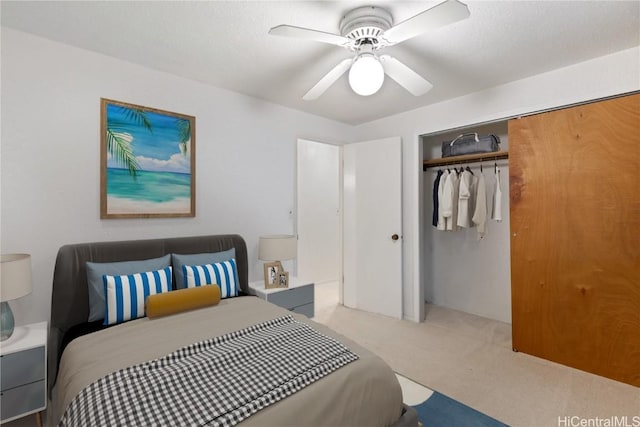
(70, 295)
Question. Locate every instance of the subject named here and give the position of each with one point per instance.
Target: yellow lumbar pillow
(163, 304)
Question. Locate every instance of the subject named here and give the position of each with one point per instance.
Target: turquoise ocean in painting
(162, 180)
(156, 187)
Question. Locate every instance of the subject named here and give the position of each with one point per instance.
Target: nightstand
(23, 371)
(298, 297)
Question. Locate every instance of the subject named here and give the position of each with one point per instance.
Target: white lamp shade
(366, 75)
(277, 247)
(15, 276)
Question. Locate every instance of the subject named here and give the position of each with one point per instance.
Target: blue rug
(442, 411)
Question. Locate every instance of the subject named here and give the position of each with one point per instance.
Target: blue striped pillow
(126, 295)
(224, 274)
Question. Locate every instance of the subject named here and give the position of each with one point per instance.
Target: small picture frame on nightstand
(283, 279)
(272, 272)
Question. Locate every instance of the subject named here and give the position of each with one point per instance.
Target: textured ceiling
(225, 44)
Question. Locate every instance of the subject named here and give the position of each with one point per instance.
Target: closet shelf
(467, 158)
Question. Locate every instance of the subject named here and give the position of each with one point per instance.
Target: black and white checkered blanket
(216, 382)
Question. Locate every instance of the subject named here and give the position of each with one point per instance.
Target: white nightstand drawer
(20, 368)
(292, 297)
(23, 399)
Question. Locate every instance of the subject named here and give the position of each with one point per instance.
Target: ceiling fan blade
(438, 16)
(306, 33)
(329, 79)
(405, 76)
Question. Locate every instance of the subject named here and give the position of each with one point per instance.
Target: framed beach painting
(147, 160)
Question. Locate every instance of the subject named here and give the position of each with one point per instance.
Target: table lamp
(276, 248)
(15, 282)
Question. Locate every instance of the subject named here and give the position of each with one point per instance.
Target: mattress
(362, 393)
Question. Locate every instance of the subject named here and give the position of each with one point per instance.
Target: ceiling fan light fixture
(366, 75)
(365, 31)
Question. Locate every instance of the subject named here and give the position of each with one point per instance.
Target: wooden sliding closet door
(575, 236)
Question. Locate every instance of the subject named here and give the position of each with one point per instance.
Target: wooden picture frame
(272, 272)
(147, 162)
(283, 281)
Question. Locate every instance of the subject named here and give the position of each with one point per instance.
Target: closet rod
(468, 158)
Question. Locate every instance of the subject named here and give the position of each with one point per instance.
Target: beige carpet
(469, 358)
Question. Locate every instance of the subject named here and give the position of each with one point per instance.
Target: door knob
(395, 237)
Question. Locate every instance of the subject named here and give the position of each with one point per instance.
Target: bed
(82, 353)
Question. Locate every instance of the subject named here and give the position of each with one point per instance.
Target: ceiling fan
(364, 31)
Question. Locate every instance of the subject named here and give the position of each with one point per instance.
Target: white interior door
(372, 226)
(318, 211)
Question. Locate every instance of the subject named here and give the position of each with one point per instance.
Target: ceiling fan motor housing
(365, 23)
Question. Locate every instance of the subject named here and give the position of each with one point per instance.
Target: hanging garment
(436, 182)
(451, 214)
(464, 197)
(447, 199)
(496, 213)
(441, 219)
(480, 212)
(472, 200)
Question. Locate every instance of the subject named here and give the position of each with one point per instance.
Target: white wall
(245, 148)
(608, 75)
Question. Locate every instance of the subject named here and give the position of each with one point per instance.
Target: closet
(565, 263)
(460, 271)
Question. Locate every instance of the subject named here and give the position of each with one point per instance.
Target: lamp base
(7, 321)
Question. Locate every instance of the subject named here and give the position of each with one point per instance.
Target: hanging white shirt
(447, 198)
(472, 199)
(480, 212)
(452, 225)
(464, 199)
(451, 201)
(496, 213)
